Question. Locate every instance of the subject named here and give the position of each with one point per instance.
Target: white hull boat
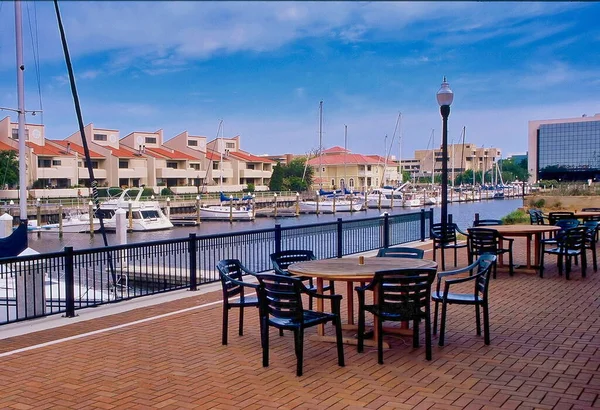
(146, 215)
(79, 223)
(384, 198)
(327, 206)
(226, 213)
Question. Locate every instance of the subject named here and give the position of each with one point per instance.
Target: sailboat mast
(400, 177)
(345, 154)
(320, 143)
(21, 111)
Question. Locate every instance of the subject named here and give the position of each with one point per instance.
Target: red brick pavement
(544, 354)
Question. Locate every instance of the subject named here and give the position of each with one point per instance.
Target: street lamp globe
(445, 94)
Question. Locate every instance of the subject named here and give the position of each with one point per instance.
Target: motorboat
(411, 199)
(330, 205)
(73, 223)
(145, 215)
(386, 197)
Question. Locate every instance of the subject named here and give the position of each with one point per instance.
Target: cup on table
(361, 260)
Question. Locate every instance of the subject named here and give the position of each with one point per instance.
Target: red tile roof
(6, 147)
(47, 150)
(335, 150)
(77, 148)
(122, 152)
(165, 153)
(246, 156)
(213, 156)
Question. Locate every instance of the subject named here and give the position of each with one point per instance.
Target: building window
(56, 162)
(192, 143)
(123, 164)
(230, 145)
(250, 166)
(15, 134)
(351, 182)
(172, 164)
(195, 167)
(150, 140)
(323, 169)
(215, 164)
(368, 167)
(44, 163)
(332, 182)
(100, 137)
(95, 164)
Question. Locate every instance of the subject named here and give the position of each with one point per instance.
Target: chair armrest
(240, 283)
(462, 232)
(461, 280)
(362, 289)
(322, 296)
(456, 271)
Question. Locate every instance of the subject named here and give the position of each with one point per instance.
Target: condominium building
(564, 149)
(461, 157)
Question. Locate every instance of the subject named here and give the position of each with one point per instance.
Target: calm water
(462, 214)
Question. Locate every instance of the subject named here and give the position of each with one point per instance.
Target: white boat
(411, 199)
(226, 213)
(146, 215)
(328, 206)
(73, 223)
(384, 198)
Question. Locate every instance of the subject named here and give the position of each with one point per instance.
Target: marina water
(463, 213)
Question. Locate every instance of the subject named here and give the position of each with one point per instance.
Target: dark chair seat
(401, 252)
(231, 272)
(571, 244)
(446, 240)
(283, 259)
(281, 307)
(479, 274)
(403, 295)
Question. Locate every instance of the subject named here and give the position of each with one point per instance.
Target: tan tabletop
(586, 214)
(348, 269)
(529, 231)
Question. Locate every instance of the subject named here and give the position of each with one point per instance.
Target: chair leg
(443, 251)
(339, 341)
(241, 326)
(361, 329)
(511, 268)
(560, 265)
(299, 347)
(478, 320)
(434, 251)
(416, 333)
(486, 324)
(542, 261)
(225, 323)
(428, 336)
(380, 341)
(442, 324)
(280, 332)
(583, 263)
(265, 341)
(594, 261)
(435, 319)
(568, 267)
(455, 256)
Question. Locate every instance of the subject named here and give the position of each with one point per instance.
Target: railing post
(476, 217)
(69, 283)
(449, 218)
(422, 225)
(386, 230)
(340, 236)
(277, 238)
(193, 265)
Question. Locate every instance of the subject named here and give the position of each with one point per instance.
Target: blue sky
(263, 67)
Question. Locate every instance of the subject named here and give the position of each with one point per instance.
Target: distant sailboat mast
(345, 156)
(320, 143)
(21, 112)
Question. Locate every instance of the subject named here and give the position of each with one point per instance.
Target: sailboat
(227, 210)
(330, 202)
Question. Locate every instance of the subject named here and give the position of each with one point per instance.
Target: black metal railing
(62, 282)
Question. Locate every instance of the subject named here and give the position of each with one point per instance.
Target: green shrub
(250, 188)
(166, 192)
(539, 203)
(516, 217)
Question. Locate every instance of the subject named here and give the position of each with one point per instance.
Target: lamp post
(444, 99)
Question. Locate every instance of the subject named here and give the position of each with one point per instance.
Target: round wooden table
(528, 231)
(350, 270)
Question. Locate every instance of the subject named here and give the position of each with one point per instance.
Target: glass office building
(567, 150)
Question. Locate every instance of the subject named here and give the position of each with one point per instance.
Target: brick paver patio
(544, 354)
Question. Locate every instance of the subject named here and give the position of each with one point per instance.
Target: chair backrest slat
(483, 240)
(553, 217)
(404, 291)
(282, 260)
(487, 222)
(281, 296)
(401, 252)
(230, 268)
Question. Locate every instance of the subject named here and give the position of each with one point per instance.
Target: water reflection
(462, 214)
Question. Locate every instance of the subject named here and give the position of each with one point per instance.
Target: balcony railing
(62, 282)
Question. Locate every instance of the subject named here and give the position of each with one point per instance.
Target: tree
(276, 182)
(9, 168)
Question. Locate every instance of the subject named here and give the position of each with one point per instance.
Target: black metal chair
(592, 240)
(231, 272)
(570, 245)
(564, 225)
(401, 252)
(402, 295)
(484, 240)
(478, 298)
(282, 260)
(281, 307)
(536, 217)
(446, 240)
(486, 222)
(553, 217)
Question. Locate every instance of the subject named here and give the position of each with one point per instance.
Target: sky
(263, 68)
